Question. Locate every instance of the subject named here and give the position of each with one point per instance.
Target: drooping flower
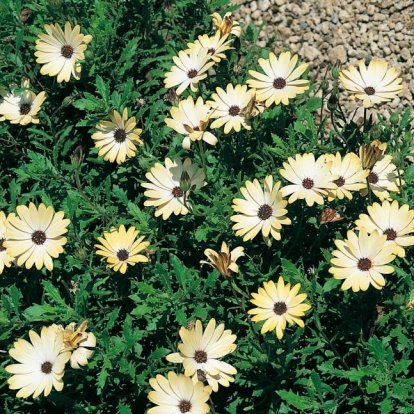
(191, 120)
(373, 84)
(21, 106)
(278, 304)
(178, 394)
(41, 364)
(5, 259)
(171, 186)
(351, 175)
(261, 210)
(78, 342)
(392, 220)
(229, 106)
(383, 178)
(60, 52)
(370, 153)
(280, 82)
(189, 69)
(362, 259)
(225, 261)
(34, 236)
(226, 25)
(117, 139)
(216, 45)
(311, 179)
(121, 248)
(201, 352)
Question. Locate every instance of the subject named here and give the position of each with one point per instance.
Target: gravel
(322, 32)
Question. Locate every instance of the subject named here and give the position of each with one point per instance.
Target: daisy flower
(202, 351)
(226, 25)
(280, 81)
(229, 106)
(117, 139)
(225, 261)
(34, 236)
(216, 45)
(60, 52)
(171, 185)
(121, 248)
(383, 178)
(178, 394)
(311, 179)
(5, 259)
(351, 175)
(21, 106)
(78, 342)
(261, 210)
(362, 259)
(189, 70)
(278, 304)
(393, 221)
(41, 364)
(373, 84)
(370, 153)
(191, 120)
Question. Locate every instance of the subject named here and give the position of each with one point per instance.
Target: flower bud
(77, 157)
(336, 69)
(394, 118)
(25, 14)
(325, 85)
(185, 181)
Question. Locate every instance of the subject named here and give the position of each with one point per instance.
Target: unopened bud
(77, 157)
(336, 70)
(407, 136)
(394, 118)
(68, 100)
(375, 132)
(25, 14)
(325, 85)
(332, 102)
(185, 181)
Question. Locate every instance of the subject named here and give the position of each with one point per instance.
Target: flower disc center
(265, 211)
(200, 357)
(120, 135)
(122, 255)
(177, 192)
(369, 90)
(234, 110)
(340, 181)
(2, 249)
(66, 51)
(391, 234)
(25, 109)
(192, 73)
(307, 183)
(46, 367)
(38, 237)
(279, 83)
(364, 264)
(373, 177)
(184, 406)
(280, 308)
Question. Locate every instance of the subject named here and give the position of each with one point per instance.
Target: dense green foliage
(354, 354)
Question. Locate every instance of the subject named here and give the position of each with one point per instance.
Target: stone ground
(321, 32)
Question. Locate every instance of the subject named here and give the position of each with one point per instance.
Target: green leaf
(301, 403)
(53, 293)
(316, 380)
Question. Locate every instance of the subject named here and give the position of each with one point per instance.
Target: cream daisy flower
(226, 25)
(280, 82)
(229, 106)
(41, 364)
(61, 51)
(35, 235)
(202, 352)
(351, 175)
(261, 210)
(311, 179)
(225, 261)
(78, 342)
(121, 248)
(373, 84)
(189, 70)
(361, 259)
(278, 304)
(191, 120)
(393, 221)
(215, 45)
(178, 394)
(21, 106)
(117, 139)
(383, 178)
(5, 259)
(171, 186)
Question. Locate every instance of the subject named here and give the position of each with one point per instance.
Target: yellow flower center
(307, 183)
(364, 264)
(280, 308)
(46, 367)
(192, 73)
(120, 135)
(66, 51)
(279, 83)
(25, 109)
(38, 237)
(122, 255)
(200, 357)
(234, 110)
(265, 211)
(391, 234)
(2, 249)
(184, 406)
(369, 90)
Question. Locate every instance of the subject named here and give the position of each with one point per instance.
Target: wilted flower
(226, 25)
(370, 153)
